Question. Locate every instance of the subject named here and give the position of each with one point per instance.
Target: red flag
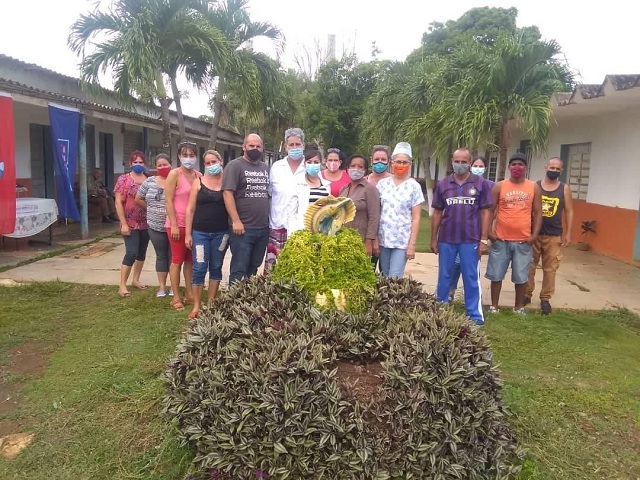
(7, 166)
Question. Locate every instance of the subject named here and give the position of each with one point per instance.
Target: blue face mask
(313, 169)
(137, 168)
(380, 167)
(295, 153)
(477, 171)
(214, 169)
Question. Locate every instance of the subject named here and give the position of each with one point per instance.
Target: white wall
(23, 115)
(615, 157)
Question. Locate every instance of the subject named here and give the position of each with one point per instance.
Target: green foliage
(320, 263)
(253, 388)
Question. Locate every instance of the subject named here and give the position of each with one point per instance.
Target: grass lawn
(423, 243)
(87, 382)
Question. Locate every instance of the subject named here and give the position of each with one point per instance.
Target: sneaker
(493, 309)
(520, 311)
(527, 300)
(171, 293)
(545, 307)
(161, 293)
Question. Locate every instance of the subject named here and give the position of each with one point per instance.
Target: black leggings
(135, 245)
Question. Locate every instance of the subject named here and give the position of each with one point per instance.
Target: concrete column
(82, 165)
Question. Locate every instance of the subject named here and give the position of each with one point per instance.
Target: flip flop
(124, 295)
(177, 305)
(192, 314)
(142, 286)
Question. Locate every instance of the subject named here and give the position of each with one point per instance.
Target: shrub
(255, 386)
(321, 263)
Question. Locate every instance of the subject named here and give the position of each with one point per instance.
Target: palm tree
(141, 42)
(486, 88)
(248, 69)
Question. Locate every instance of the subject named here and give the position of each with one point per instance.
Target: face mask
(164, 171)
(477, 170)
(401, 170)
(380, 167)
(254, 154)
(188, 162)
(553, 175)
(313, 169)
(460, 168)
(214, 169)
(137, 168)
(333, 166)
(295, 153)
(517, 171)
(355, 174)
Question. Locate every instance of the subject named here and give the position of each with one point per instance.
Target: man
(556, 199)
(460, 226)
(246, 197)
(285, 178)
(517, 201)
(100, 195)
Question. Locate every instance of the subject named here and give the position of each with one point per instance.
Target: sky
(596, 40)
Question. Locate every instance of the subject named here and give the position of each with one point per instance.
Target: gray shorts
(503, 253)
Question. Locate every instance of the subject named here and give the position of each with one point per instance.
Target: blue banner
(65, 126)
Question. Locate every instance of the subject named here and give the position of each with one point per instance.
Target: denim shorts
(503, 253)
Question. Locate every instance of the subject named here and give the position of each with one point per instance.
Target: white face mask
(188, 162)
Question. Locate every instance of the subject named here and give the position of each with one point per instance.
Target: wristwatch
(485, 241)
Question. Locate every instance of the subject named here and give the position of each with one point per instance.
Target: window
(493, 166)
(525, 147)
(579, 161)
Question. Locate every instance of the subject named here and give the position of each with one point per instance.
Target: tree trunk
(428, 181)
(218, 98)
(176, 98)
(164, 108)
(504, 145)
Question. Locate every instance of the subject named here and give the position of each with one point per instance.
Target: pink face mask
(517, 171)
(333, 165)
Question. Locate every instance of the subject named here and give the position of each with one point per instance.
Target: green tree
(248, 69)
(141, 43)
(485, 87)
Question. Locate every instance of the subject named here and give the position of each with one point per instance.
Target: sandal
(177, 305)
(140, 286)
(125, 294)
(192, 314)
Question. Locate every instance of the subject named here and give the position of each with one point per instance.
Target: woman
(133, 223)
(379, 164)
(367, 201)
(151, 197)
(401, 198)
(314, 188)
(176, 192)
(478, 167)
(333, 173)
(207, 229)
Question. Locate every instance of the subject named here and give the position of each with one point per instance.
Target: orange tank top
(515, 210)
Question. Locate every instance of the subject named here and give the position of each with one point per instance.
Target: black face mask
(553, 175)
(254, 154)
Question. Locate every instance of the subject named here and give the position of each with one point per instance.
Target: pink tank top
(181, 199)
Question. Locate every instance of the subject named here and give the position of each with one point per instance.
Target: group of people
(516, 221)
(193, 217)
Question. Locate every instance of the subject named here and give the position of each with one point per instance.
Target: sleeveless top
(210, 215)
(515, 210)
(181, 199)
(552, 207)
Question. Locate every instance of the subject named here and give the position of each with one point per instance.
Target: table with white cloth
(33, 215)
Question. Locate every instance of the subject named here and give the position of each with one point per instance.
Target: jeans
(135, 245)
(208, 253)
(393, 261)
(161, 245)
(470, 267)
(247, 252)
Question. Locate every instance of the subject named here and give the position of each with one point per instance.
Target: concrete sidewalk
(584, 281)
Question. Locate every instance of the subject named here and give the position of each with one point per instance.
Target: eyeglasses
(401, 162)
(334, 150)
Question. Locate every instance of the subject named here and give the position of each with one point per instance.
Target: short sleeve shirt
(461, 205)
(135, 215)
(249, 183)
(395, 215)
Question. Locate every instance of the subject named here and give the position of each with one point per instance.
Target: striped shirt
(316, 193)
(461, 205)
(156, 207)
